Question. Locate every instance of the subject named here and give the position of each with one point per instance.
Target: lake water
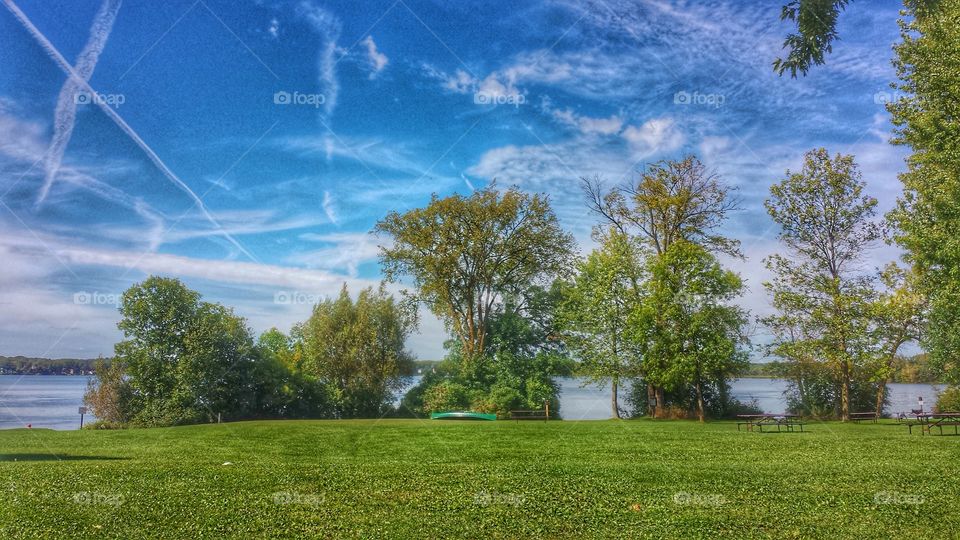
(51, 401)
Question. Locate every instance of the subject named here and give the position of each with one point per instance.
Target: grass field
(421, 479)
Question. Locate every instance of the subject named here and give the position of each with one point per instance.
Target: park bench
(864, 416)
(540, 414)
(771, 420)
(928, 421)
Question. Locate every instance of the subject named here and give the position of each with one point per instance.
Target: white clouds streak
(65, 114)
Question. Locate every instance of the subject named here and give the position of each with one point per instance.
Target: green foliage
(949, 400)
(816, 22)
(109, 395)
(824, 302)
(595, 309)
(356, 349)
(691, 338)
(927, 216)
(466, 254)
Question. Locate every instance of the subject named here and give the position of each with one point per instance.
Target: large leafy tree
(357, 348)
(820, 291)
(670, 201)
(596, 309)
(927, 216)
(185, 360)
(686, 317)
(465, 254)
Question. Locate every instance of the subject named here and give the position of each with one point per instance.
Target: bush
(446, 396)
(949, 400)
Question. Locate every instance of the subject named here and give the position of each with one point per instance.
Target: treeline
(22, 365)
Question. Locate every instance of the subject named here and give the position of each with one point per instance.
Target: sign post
(82, 411)
(920, 401)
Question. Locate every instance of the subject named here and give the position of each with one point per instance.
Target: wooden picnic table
(861, 416)
(928, 421)
(780, 420)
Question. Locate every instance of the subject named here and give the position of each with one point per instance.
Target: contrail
(66, 112)
(54, 54)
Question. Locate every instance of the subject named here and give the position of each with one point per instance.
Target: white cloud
(328, 27)
(328, 207)
(654, 136)
(274, 28)
(377, 60)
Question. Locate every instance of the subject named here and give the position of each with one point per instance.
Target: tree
(926, 217)
(898, 314)
(670, 201)
(357, 348)
(595, 310)
(108, 393)
(465, 254)
(185, 360)
(821, 294)
(685, 318)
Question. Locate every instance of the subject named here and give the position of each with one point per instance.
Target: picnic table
(861, 416)
(928, 421)
(780, 420)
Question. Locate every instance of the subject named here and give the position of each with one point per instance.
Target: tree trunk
(845, 391)
(660, 403)
(699, 403)
(881, 394)
(651, 401)
(614, 406)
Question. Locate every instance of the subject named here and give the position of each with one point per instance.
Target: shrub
(445, 396)
(949, 399)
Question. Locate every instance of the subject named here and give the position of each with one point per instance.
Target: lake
(51, 401)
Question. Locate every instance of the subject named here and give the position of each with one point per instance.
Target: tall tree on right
(820, 291)
(927, 216)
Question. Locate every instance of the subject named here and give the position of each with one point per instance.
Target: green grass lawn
(422, 479)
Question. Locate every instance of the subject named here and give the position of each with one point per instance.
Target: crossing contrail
(55, 55)
(65, 114)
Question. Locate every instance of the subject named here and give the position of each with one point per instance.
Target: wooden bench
(788, 421)
(928, 421)
(540, 414)
(864, 416)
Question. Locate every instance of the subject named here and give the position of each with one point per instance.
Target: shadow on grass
(56, 457)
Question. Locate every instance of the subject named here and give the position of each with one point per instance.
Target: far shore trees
(821, 292)
(671, 201)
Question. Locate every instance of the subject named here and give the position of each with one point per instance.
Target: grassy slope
(417, 479)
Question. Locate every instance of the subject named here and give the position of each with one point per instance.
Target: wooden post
(546, 408)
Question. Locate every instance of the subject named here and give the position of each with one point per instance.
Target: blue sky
(248, 147)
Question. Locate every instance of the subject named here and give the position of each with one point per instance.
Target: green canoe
(461, 415)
